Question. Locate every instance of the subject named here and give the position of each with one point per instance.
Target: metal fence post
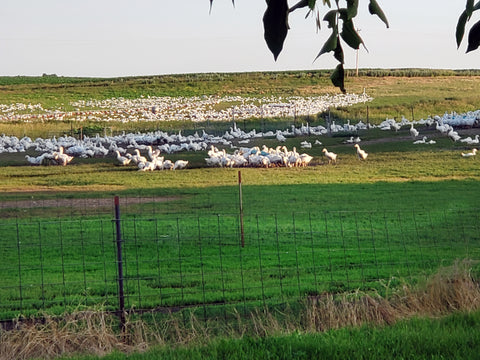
(121, 297)
(242, 236)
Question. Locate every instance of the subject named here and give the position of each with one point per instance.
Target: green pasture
(355, 227)
(413, 93)
(305, 233)
(369, 225)
(59, 265)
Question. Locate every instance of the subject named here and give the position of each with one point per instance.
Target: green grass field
(356, 226)
(324, 228)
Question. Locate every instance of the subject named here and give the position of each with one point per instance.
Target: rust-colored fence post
(121, 296)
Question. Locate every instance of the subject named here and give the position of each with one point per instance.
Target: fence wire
(173, 262)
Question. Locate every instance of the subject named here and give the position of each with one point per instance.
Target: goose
(396, 126)
(258, 160)
(470, 154)
(276, 159)
(152, 154)
(180, 164)
(213, 161)
(306, 145)
(213, 151)
(137, 158)
(293, 158)
(34, 160)
(123, 160)
(472, 141)
(305, 159)
(453, 135)
(280, 137)
(332, 157)
(442, 128)
(62, 158)
(362, 155)
(168, 165)
(422, 141)
(414, 132)
(43, 159)
(467, 139)
(147, 166)
(159, 162)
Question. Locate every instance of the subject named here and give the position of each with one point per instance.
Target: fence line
(198, 261)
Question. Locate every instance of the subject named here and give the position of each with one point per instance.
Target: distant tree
(340, 20)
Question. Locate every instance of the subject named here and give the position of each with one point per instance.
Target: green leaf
(469, 7)
(327, 2)
(474, 37)
(331, 18)
(338, 54)
(375, 9)
(338, 77)
(462, 21)
(350, 35)
(300, 4)
(352, 8)
(275, 24)
(460, 30)
(330, 44)
(343, 13)
(317, 21)
(311, 4)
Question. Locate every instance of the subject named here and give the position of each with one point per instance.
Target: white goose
(470, 154)
(123, 160)
(138, 158)
(362, 155)
(422, 141)
(43, 159)
(332, 157)
(453, 135)
(63, 159)
(414, 132)
(180, 164)
(305, 159)
(471, 141)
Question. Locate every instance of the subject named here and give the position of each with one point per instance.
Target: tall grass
(263, 332)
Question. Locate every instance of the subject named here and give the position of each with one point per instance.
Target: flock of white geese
(127, 148)
(258, 157)
(167, 108)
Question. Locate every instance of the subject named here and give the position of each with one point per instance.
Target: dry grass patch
(452, 289)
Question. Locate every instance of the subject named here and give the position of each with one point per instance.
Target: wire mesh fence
(173, 262)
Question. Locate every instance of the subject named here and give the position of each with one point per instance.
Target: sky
(111, 38)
